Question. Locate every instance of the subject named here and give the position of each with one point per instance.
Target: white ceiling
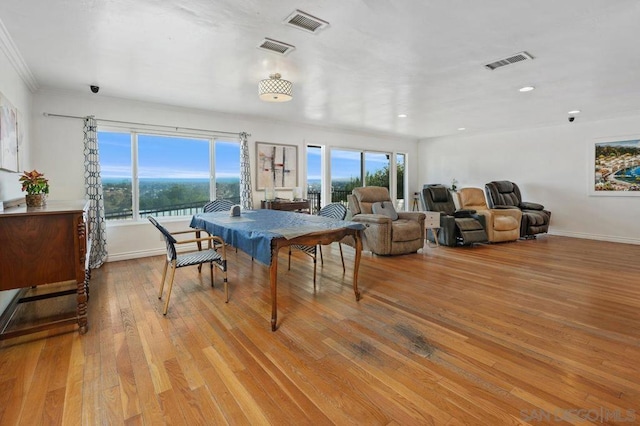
(377, 59)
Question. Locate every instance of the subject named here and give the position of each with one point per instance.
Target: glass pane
(173, 175)
(376, 169)
(401, 197)
(116, 172)
(227, 172)
(314, 177)
(346, 171)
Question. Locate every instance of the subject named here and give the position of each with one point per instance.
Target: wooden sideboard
(301, 206)
(43, 246)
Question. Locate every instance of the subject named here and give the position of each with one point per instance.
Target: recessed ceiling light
(575, 111)
(526, 88)
(402, 115)
(462, 128)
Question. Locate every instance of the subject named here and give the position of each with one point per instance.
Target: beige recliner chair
(384, 233)
(501, 224)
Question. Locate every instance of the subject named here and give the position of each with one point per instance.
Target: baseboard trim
(609, 238)
(128, 255)
(157, 252)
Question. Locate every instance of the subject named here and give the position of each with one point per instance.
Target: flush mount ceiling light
(402, 115)
(526, 88)
(274, 89)
(575, 111)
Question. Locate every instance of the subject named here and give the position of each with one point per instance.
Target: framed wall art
(276, 166)
(8, 135)
(615, 166)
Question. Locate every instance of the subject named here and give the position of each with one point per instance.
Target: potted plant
(454, 185)
(36, 186)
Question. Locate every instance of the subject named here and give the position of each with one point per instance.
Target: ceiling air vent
(304, 21)
(276, 46)
(518, 57)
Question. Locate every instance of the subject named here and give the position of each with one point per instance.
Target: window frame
(135, 176)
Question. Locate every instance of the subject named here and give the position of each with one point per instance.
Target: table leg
(357, 264)
(81, 300)
(273, 280)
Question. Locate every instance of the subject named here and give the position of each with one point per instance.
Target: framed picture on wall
(8, 135)
(615, 167)
(276, 166)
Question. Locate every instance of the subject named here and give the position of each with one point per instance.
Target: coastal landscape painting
(277, 166)
(616, 167)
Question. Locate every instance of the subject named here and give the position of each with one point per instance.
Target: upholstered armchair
(387, 232)
(501, 224)
(505, 194)
(457, 227)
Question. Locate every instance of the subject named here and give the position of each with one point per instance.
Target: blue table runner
(253, 231)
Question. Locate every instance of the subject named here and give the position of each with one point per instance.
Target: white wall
(16, 91)
(552, 166)
(58, 149)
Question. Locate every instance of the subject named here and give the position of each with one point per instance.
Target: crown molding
(15, 58)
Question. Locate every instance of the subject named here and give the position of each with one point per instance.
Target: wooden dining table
(262, 233)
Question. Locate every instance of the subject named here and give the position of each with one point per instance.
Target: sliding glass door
(314, 177)
(346, 173)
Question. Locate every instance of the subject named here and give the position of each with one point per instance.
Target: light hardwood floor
(545, 331)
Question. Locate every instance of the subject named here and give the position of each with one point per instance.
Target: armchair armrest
(447, 234)
(417, 216)
(503, 207)
(186, 231)
(513, 212)
(212, 240)
(531, 206)
(464, 213)
(376, 236)
(371, 218)
(199, 240)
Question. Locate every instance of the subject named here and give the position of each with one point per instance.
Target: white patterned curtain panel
(93, 190)
(246, 194)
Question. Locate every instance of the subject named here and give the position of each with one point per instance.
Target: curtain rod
(176, 128)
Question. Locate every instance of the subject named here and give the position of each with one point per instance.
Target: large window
(116, 167)
(350, 168)
(377, 169)
(314, 176)
(401, 197)
(346, 173)
(227, 170)
(162, 175)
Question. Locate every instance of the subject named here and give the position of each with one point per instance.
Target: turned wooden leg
(315, 267)
(357, 264)
(81, 300)
(273, 279)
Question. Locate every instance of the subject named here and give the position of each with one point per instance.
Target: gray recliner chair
(506, 194)
(385, 235)
(457, 227)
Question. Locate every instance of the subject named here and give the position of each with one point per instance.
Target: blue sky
(344, 164)
(632, 143)
(176, 157)
(166, 157)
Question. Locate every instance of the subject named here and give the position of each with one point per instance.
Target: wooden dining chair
(214, 256)
(335, 211)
